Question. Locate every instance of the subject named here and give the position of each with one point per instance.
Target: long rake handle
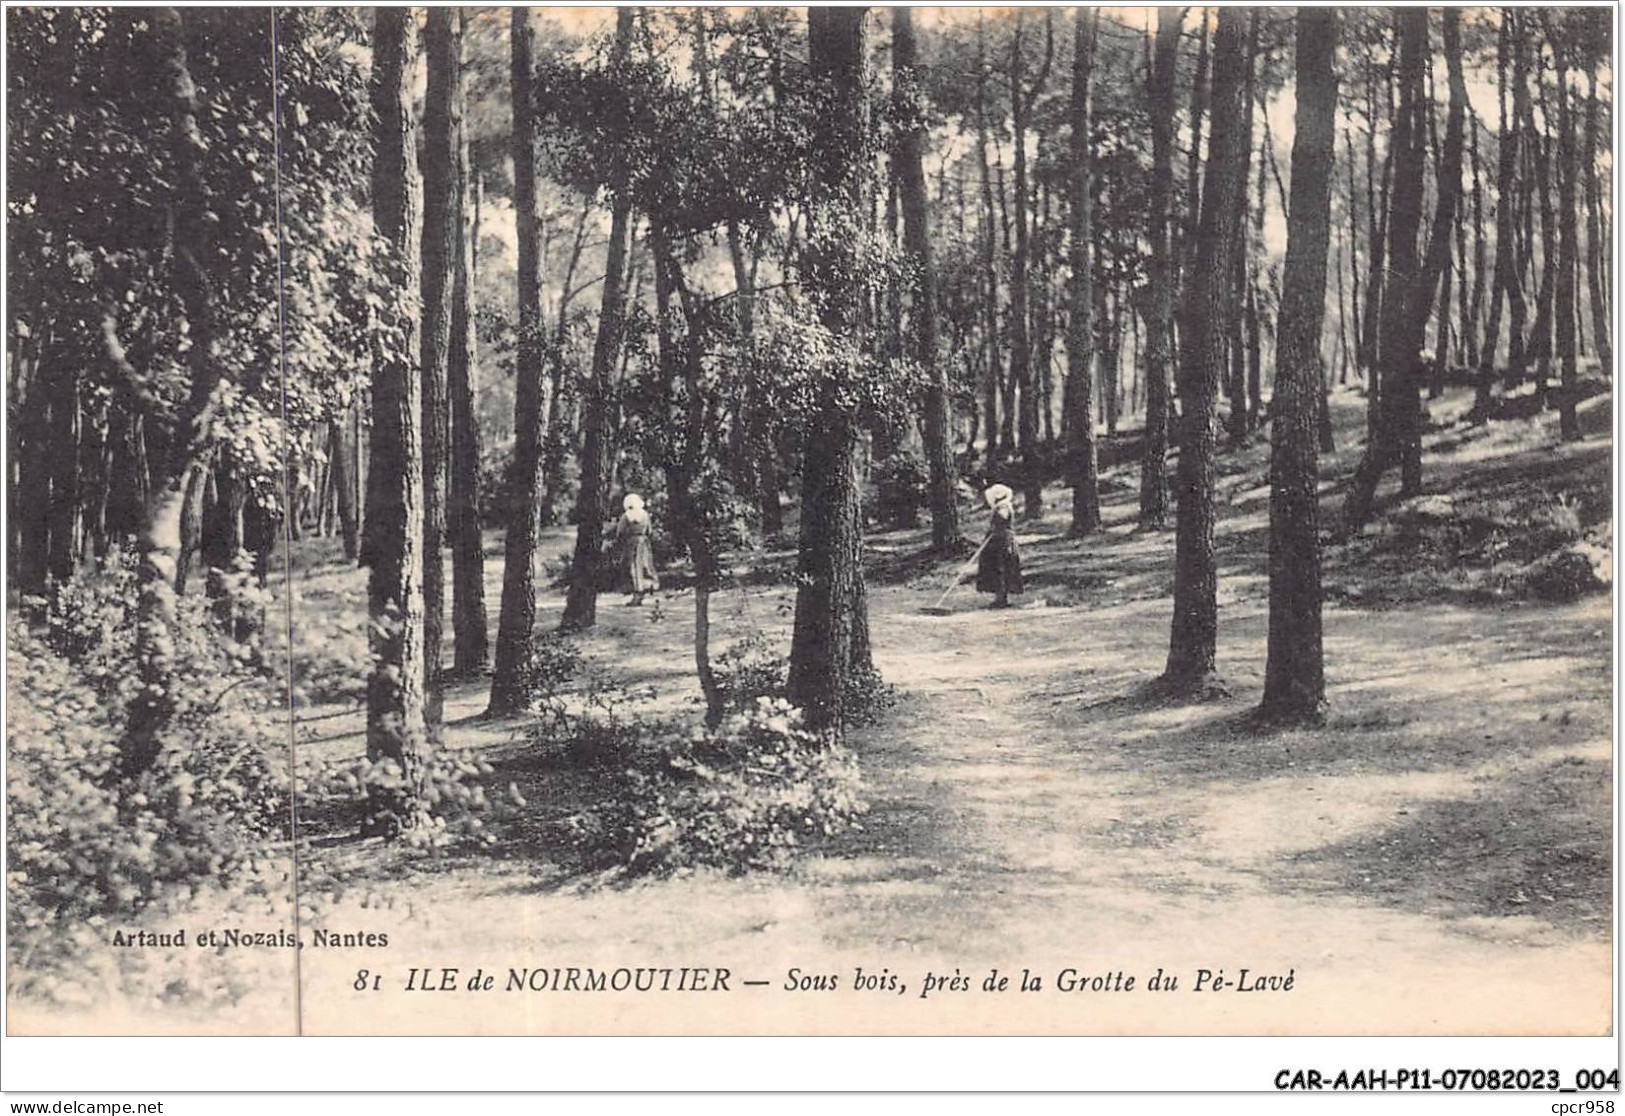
(970, 565)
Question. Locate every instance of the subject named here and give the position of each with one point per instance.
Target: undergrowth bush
(744, 795)
(750, 669)
(89, 847)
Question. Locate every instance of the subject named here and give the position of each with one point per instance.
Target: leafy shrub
(750, 669)
(458, 809)
(745, 795)
(902, 486)
(88, 848)
(867, 696)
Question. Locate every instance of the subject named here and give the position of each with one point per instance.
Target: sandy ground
(1435, 859)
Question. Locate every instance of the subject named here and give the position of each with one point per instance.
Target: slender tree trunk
(990, 274)
(1540, 146)
(581, 603)
(1082, 470)
(470, 628)
(1517, 196)
(66, 495)
(1193, 166)
(1160, 268)
(1354, 265)
(1596, 249)
(829, 644)
(1294, 673)
(1473, 307)
(1193, 634)
(442, 229)
(1021, 100)
(393, 541)
(1568, 253)
(1412, 283)
(344, 492)
(907, 73)
(1506, 284)
(532, 397)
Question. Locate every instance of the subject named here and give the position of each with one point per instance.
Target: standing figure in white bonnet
(637, 555)
(998, 571)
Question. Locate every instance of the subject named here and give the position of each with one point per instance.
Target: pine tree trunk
(532, 397)
(945, 535)
(581, 603)
(1596, 251)
(1519, 199)
(1194, 631)
(1505, 284)
(1160, 269)
(1540, 342)
(65, 496)
(829, 643)
(1473, 308)
(470, 627)
(339, 454)
(1082, 470)
(1021, 372)
(442, 229)
(1568, 252)
(991, 377)
(394, 521)
(1294, 674)
(1412, 283)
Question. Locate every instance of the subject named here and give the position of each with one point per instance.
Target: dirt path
(1435, 859)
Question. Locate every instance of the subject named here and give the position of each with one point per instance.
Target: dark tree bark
(1160, 272)
(581, 603)
(344, 486)
(63, 452)
(1193, 166)
(442, 229)
(394, 522)
(1194, 631)
(188, 441)
(1294, 674)
(1506, 285)
(470, 628)
(1082, 471)
(1355, 321)
(1238, 421)
(686, 450)
(907, 74)
(1596, 252)
(1412, 283)
(829, 644)
(1568, 252)
(1472, 310)
(1518, 197)
(532, 399)
(992, 375)
(1541, 148)
(1021, 372)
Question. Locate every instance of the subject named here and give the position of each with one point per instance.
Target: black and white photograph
(833, 521)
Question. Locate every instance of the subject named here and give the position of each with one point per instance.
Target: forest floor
(1437, 858)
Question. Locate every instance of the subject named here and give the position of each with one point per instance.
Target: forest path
(1435, 858)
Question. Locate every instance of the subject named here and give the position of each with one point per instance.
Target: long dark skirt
(999, 568)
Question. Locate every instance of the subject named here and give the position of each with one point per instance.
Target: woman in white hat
(637, 556)
(998, 571)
